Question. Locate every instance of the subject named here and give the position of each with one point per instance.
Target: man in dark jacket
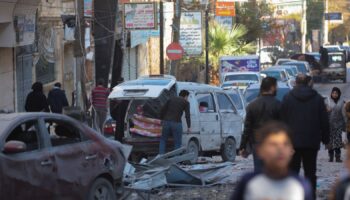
(304, 110)
(36, 100)
(263, 109)
(171, 115)
(57, 99)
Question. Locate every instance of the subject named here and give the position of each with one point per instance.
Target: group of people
(36, 100)
(283, 136)
(56, 100)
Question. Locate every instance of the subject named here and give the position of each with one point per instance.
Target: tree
(250, 14)
(227, 42)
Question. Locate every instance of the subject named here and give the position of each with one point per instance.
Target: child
(342, 189)
(275, 182)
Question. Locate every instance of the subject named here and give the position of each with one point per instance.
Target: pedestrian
(275, 181)
(118, 113)
(171, 114)
(304, 111)
(99, 96)
(347, 114)
(57, 99)
(263, 109)
(36, 100)
(337, 125)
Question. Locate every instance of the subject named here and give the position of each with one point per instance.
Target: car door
(77, 159)
(231, 121)
(30, 173)
(209, 121)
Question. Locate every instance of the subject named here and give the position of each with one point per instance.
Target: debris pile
(168, 171)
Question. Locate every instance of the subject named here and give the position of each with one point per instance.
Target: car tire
(101, 189)
(228, 150)
(193, 147)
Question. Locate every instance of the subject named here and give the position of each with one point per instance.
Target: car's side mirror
(14, 146)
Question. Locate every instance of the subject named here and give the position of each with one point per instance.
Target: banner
(88, 8)
(191, 33)
(225, 22)
(225, 9)
(140, 16)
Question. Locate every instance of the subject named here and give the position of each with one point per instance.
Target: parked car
(303, 67)
(51, 156)
(281, 61)
(238, 99)
(252, 92)
(279, 74)
(290, 69)
(240, 79)
(216, 130)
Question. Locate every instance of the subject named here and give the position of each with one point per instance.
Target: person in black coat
(57, 99)
(118, 113)
(263, 109)
(36, 99)
(304, 111)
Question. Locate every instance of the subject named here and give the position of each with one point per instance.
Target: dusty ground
(327, 172)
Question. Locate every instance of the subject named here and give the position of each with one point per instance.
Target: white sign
(191, 33)
(140, 16)
(141, 36)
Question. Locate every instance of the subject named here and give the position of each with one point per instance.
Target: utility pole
(176, 34)
(79, 53)
(325, 23)
(303, 28)
(207, 44)
(161, 38)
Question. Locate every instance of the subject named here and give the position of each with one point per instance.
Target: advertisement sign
(140, 16)
(334, 17)
(225, 9)
(225, 22)
(191, 33)
(141, 36)
(88, 8)
(239, 64)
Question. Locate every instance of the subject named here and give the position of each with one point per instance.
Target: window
(206, 102)
(28, 133)
(237, 100)
(224, 102)
(62, 133)
(242, 77)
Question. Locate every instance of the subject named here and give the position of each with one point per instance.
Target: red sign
(174, 51)
(225, 9)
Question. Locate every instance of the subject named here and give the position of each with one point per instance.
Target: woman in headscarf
(337, 125)
(36, 100)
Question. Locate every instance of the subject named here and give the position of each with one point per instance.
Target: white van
(217, 130)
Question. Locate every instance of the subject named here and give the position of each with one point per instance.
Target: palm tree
(227, 42)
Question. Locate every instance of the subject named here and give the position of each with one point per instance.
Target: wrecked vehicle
(51, 156)
(216, 129)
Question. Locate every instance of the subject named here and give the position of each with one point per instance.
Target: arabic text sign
(139, 16)
(225, 9)
(141, 36)
(88, 8)
(191, 33)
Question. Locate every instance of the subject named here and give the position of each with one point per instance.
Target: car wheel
(228, 150)
(193, 147)
(101, 189)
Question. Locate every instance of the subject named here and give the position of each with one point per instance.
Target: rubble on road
(168, 170)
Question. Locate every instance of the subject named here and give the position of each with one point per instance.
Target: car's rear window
(301, 67)
(154, 82)
(252, 94)
(241, 77)
(274, 74)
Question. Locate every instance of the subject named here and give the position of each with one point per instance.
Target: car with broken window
(216, 123)
(51, 156)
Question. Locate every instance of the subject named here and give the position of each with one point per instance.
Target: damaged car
(51, 156)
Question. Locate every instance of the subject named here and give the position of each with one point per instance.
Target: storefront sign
(140, 16)
(225, 9)
(191, 33)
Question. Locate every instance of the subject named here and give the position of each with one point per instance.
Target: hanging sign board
(191, 33)
(140, 16)
(225, 9)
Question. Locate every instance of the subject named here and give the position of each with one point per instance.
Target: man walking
(263, 109)
(171, 115)
(57, 99)
(304, 110)
(99, 96)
